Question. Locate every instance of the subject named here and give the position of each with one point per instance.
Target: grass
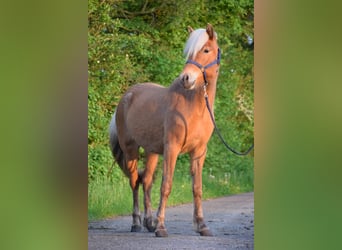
(106, 199)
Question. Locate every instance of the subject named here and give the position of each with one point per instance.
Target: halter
(203, 68)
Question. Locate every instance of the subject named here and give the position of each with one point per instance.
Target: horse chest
(188, 130)
(200, 131)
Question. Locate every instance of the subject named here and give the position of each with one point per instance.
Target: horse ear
(210, 31)
(190, 30)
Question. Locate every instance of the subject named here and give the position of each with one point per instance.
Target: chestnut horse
(168, 121)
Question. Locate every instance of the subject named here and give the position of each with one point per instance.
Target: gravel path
(231, 219)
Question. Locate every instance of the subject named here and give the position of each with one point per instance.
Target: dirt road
(231, 219)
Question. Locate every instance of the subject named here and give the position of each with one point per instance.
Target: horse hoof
(161, 232)
(206, 232)
(135, 228)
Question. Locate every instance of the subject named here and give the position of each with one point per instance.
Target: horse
(168, 121)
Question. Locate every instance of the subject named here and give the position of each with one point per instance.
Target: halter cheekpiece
(203, 68)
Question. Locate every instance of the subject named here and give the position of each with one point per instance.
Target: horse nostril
(185, 78)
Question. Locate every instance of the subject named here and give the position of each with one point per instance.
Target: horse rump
(117, 151)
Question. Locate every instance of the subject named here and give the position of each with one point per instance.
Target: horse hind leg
(127, 158)
(134, 182)
(147, 181)
(131, 170)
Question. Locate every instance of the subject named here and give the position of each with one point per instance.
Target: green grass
(106, 199)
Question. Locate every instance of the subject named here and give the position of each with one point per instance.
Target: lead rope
(216, 128)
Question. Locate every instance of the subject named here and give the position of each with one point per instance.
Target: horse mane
(195, 42)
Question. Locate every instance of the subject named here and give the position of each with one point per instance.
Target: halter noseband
(203, 68)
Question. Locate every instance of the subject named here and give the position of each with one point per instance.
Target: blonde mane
(195, 42)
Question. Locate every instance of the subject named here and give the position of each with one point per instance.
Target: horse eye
(206, 51)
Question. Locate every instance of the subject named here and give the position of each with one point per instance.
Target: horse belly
(149, 138)
(147, 130)
(144, 106)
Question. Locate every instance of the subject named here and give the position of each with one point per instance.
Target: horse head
(203, 58)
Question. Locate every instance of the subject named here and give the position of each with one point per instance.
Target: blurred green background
(43, 128)
(298, 125)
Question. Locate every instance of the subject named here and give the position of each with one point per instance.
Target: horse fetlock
(136, 225)
(150, 223)
(136, 219)
(201, 228)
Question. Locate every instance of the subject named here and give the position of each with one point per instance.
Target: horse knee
(146, 180)
(197, 194)
(166, 190)
(197, 190)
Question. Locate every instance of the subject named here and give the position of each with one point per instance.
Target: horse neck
(193, 96)
(199, 96)
(211, 91)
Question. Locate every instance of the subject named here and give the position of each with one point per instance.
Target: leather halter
(203, 68)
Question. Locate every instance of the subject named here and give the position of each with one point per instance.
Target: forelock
(195, 42)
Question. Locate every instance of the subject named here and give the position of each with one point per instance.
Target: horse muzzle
(188, 80)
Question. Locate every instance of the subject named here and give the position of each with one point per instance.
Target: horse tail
(117, 151)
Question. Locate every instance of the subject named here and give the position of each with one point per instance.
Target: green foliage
(139, 41)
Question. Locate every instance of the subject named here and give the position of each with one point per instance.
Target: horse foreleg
(147, 179)
(197, 161)
(170, 157)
